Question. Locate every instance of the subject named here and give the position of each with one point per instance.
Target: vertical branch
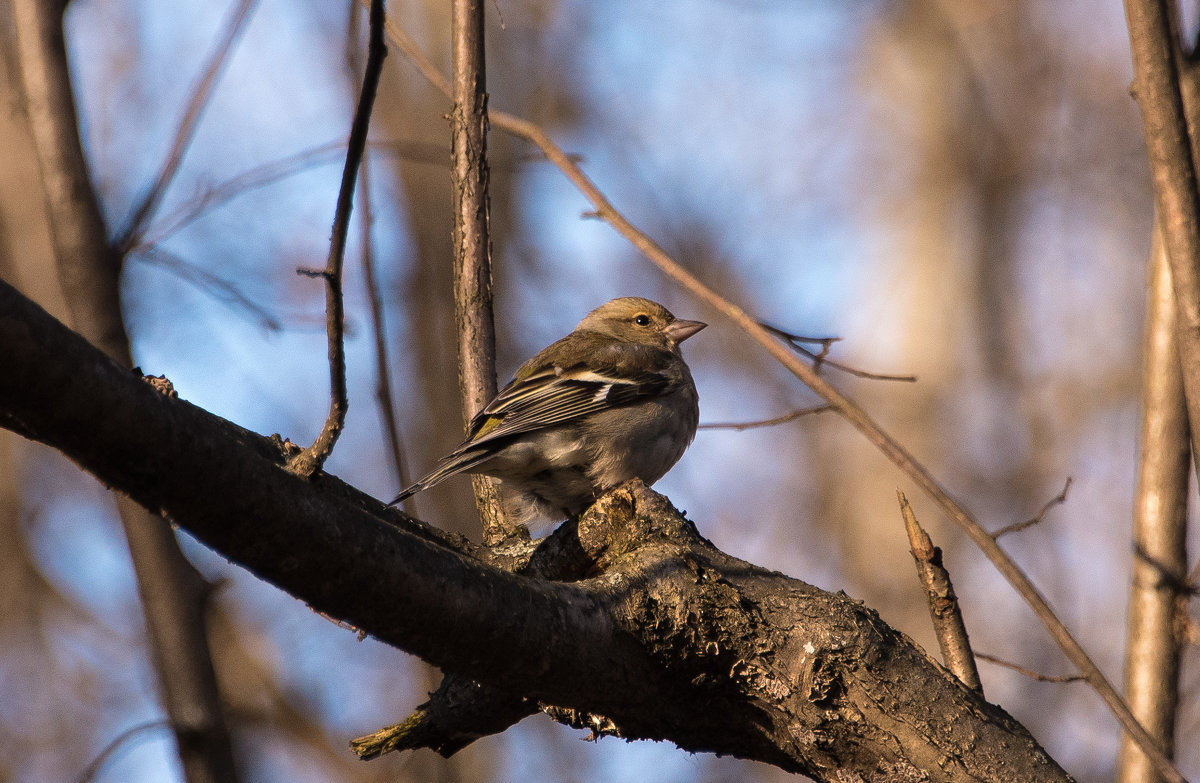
(1156, 84)
(311, 459)
(472, 245)
(1152, 663)
(88, 267)
(1156, 594)
(173, 594)
(383, 376)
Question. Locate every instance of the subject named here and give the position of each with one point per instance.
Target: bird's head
(638, 320)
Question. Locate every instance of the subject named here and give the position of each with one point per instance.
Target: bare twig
(1156, 84)
(944, 610)
(784, 419)
(119, 742)
(821, 357)
(1153, 646)
(383, 375)
(310, 460)
(257, 177)
(272, 172)
(1030, 673)
(201, 93)
(206, 281)
(1015, 527)
(413, 53)
(858, 418)
(476, 328)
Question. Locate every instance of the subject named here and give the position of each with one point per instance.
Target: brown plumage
(611, 401)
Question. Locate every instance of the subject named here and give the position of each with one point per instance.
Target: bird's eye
(641, 319)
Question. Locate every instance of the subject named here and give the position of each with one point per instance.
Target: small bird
(611, 401)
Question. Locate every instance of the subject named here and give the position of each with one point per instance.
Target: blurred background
(956, 189)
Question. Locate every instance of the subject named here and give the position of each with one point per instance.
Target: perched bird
(611, 401)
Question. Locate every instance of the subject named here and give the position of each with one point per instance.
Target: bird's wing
(554, 395)
(545, 398)
(549, 391)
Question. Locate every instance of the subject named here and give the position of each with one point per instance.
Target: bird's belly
(553, 464)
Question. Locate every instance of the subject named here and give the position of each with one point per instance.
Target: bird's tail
(458, 461)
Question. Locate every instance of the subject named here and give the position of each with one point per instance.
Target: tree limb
(664, 635)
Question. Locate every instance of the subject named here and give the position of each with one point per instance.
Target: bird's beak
(678, 331)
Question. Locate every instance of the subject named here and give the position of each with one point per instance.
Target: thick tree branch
(665, 636)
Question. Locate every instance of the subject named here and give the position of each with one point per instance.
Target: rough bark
(662, 634)
(476, 326)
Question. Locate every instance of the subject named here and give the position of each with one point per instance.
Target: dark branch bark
(311, 459)
(665, 636)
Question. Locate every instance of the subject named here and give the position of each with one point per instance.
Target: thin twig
(1030, 673)
(1016, 527)
(119, 742)
(275, 171)
(383, 374)
(784, 419)
(822, 357)
(944, 611)
(405, 43)
(217, 287)
(1156, 59)
(310, 460)
(860, 420)
(256, 177)
(201, 93)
